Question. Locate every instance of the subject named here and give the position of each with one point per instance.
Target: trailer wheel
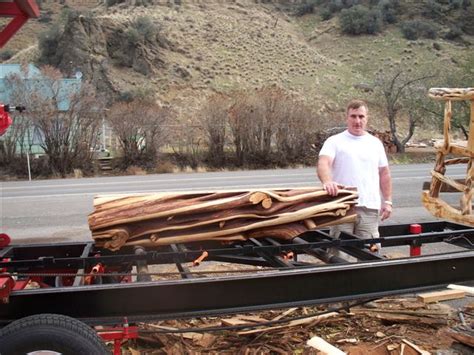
(50, 332)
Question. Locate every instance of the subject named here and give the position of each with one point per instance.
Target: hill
(182, 51)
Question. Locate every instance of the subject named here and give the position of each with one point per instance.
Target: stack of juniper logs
(386, 139)
(168, 218)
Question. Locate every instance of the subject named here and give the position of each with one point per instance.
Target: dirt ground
(390, 326)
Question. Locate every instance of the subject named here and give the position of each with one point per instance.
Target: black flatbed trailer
(78, 285)
(278, 274)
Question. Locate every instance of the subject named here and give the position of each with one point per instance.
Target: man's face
(357, 121)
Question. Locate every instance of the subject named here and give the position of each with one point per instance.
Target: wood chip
(466, 289)
(323, 346)
(400, 318)
(462, 337)
(349, 340)
(417, 348)
(284, 314)
(444, 295)
(292, 323)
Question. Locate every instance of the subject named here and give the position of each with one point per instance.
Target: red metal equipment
(415, 246)
(4, 240)
(118, 335)
(20, 11)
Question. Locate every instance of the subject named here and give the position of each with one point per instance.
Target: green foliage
(6, 54)
(113, 2)
(335, 5)
(466, 21)
(466, 4)
(45, 16)
(454, 33)
(455, 4)
(388, 10)
(432, 9)
(325, 14)
(415, 29)
(48, 45)
(306, 8)
(360, 20)
(145, 27)
(142, 29)
(133, 37)
(143, 94)
(66, 13)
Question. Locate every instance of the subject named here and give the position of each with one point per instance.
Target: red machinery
(19, 11)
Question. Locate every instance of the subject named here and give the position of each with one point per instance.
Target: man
(357, 158)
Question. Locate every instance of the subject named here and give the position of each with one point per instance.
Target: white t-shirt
(356, 162)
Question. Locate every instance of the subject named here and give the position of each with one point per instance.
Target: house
(32, 79)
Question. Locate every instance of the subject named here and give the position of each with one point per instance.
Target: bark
(167, 218)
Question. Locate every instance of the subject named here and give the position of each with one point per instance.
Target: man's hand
(332, 188)
(386, 211)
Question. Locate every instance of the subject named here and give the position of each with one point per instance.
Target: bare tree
(140, 128)
(213, 117)
(253, 120)
(397, 89)
(270, 124)
(65, 115)
(16, 141)
(296, 127)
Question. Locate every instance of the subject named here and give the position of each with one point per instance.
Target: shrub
(454, 33)
(145, 27)
(466, 21)
(325, 14)
(335, 6)
(141, 30)
(388, 10)
(6, 54)
(455, 4)
(360, 20)
(304, 9)
(113, 2)
(415, 29)
(45, 17)
(133, 37)
(432, 9)
(48, 45)
(165, 167)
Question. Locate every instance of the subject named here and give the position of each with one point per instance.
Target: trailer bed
(102, 287)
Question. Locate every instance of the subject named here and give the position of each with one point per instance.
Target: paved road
(56, 210)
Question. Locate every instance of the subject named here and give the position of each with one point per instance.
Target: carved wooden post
(466, 200)
(464, 152)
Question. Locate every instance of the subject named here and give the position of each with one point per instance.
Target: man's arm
(386, 188)
(324, 171)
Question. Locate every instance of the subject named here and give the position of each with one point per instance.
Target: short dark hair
(355, 104)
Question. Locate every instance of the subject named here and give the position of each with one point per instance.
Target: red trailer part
(19, 11)
(103, 289)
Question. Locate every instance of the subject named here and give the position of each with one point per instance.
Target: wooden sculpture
(451, 152)
(158, 219)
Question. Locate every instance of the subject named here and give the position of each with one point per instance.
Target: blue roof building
(33, 78)
(38, 82)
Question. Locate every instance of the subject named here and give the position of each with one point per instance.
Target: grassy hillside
(219, 46)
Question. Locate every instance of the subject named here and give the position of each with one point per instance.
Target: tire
(50, 332)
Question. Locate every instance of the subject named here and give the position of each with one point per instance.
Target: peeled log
(155, 220)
